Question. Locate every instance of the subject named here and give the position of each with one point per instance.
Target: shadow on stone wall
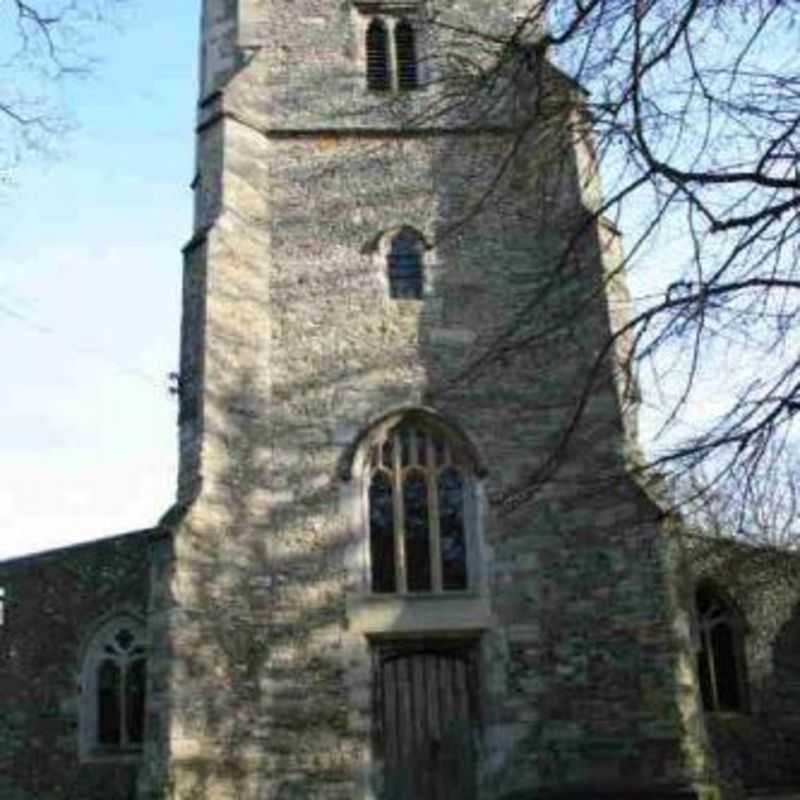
(267, 694)
(258, 682)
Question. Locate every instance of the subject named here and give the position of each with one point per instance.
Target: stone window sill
(728, 716)
(418, 613)
(127, 755)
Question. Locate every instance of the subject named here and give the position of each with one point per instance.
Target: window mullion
(431, 475)
(711, 665)
(123, 705)
(394, 78)
(401, 578)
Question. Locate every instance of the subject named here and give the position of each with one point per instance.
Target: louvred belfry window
(417, 521)
(405, 48)
(392, 52)
(378, 75)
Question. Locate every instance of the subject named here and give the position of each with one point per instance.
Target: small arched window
(721, 665)
(406, 53)
(113, 690)
(378, 74)
(418, 497)
(405, 265)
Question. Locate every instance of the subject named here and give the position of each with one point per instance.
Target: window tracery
(113, 690)
(417, 499)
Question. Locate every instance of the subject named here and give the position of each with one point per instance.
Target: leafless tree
(42, 43)
(756, 504)
(695, 112)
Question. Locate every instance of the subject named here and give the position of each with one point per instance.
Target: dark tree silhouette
(694, 112)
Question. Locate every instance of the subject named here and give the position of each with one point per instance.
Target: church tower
(396, 302)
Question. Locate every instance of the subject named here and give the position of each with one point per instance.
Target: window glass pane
(451, 527)
(387, 451)
(723, 645)
(381, 533)
(405, 45)
(377, 57)
(108, 704)
(405, 266)
(417, 534)
(134, 701)
(704, 673)
(440, 451)
(422, 447)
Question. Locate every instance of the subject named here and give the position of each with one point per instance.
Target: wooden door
(426, 719)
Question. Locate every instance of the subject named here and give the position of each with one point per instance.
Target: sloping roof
(73, 549)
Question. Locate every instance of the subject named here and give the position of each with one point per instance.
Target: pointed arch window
(405, 265)
(418, 498)
(113, 691)
(721, 662)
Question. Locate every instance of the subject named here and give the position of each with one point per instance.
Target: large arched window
(113, 690)
(418, 502)
(720, 661)
(405, 265)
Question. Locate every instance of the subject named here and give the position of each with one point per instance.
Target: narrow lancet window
(378, 73)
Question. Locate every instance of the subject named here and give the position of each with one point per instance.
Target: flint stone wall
(53, 603)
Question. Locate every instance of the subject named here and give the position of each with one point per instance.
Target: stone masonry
(262, 625)
(565, 664)
(51, 605)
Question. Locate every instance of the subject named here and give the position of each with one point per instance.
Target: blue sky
(90, 291)
(90, 272)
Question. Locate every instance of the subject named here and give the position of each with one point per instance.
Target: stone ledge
(428, 613)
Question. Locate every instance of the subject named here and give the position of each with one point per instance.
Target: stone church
(395, 307)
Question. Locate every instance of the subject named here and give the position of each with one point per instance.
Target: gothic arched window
(378, 75)
(113, 690)
(720, 661)
(405, 47)
(418, 497)
(405, 265)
